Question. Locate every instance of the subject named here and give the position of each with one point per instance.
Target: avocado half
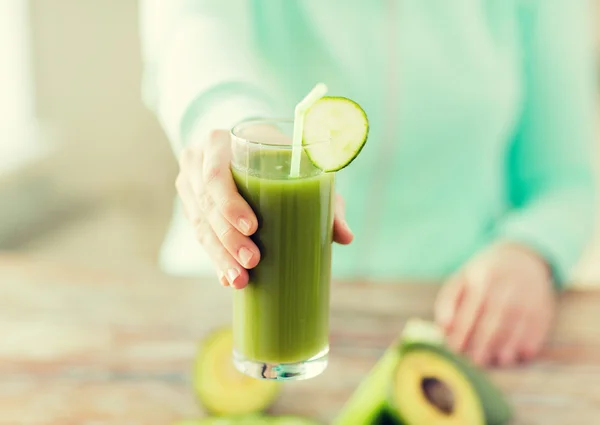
(368, 405)
(452, 389)
(220, 387)
(428, 387)
(420, 381)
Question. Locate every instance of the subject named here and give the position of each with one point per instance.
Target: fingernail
(345, 224)
(232, 274)
(244, 225)
(245, 255)
(222, 279)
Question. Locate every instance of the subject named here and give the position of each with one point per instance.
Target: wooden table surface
(80, 346)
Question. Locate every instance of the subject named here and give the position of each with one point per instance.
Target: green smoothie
(282, 316)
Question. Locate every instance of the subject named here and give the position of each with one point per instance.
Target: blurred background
(86, 174)
(85, 171)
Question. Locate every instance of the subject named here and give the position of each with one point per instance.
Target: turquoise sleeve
(200, 69)
(551, 164)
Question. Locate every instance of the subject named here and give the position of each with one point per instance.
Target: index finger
(448, 300)
(468, 313)
(220, 186)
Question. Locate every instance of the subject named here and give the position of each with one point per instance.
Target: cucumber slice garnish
(335, 131)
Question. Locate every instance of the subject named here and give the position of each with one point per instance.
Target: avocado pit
(438, 394)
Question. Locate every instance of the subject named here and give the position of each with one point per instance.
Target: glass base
(282, 371)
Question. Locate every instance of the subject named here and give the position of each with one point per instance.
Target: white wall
(104, 146)
(87, 71)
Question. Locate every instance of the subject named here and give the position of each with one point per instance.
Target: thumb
(341, 231)
(447, 301)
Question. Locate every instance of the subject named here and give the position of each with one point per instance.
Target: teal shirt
(481, 115)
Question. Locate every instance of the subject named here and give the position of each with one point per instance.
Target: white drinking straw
(315, 94)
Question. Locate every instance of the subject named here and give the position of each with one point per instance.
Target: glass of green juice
(281, 318)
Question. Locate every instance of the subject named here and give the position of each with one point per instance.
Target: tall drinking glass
(281, 319)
